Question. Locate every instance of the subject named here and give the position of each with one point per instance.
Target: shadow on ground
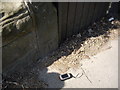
(51, 78)
(37, 75)
(33, 78)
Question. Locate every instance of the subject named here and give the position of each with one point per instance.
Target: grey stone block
(47, 28)
(24, 43)
(19, 53)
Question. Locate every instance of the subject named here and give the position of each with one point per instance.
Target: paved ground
(101, 71)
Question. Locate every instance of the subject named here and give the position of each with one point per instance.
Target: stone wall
(29, 32)
(30, 29)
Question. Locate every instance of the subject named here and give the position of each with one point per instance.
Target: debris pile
(72, 51)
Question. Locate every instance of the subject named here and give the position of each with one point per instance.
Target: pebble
(79, 35)
(82, 49)
(86, 42)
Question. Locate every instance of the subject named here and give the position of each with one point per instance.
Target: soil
(68, 55)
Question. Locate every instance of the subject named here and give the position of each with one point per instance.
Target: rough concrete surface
(27, 35)
(95, 59)
(101, 71)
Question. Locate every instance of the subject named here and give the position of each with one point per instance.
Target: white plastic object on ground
(111, 19)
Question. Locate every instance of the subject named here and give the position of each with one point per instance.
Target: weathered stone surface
(15, 22)
(10, 7)
(19, 53)
(47, 30)
(27, 37)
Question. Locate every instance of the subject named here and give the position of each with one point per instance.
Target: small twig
(77, 75)
(15, 83)
(80, 75)
(12, 83)
(6, 86)
(22, 86)
(86, 75)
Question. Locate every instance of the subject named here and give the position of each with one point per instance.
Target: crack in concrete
(86, 75)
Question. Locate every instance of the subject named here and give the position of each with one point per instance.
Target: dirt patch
(82, 46)
(68, 55)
